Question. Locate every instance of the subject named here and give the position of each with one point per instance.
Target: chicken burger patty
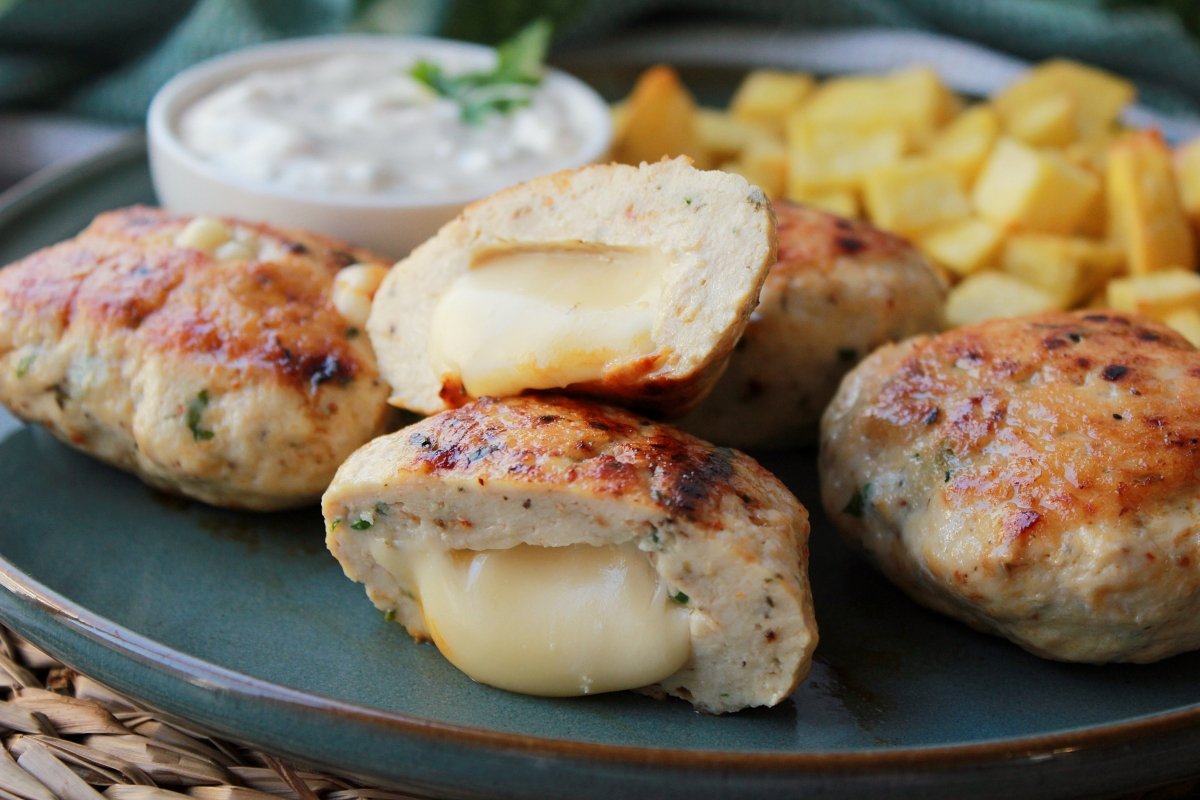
(1034, 477)
(204, 355)
(840, 289)
(627, 284)
(559, 547)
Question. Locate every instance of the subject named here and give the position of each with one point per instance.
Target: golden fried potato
(1069, 268)
(965, 142)
(913, 100)
(1098, 96)
(963, 246)
(1046, 122)
(914, 195)
(766, 97)
(821, 158)
(1156, 294)
(990, 294)
(1023, 188)
(1187, 175)
(1144, 210)
(659, 119)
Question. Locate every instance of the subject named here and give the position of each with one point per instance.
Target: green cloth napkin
(106, 58)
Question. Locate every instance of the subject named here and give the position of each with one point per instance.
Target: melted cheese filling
(551, 621)
(524, 318)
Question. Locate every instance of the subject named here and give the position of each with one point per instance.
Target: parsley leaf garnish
(508, 86)
(857, 502)
(681, 598)
(195, 410)
(24, 364)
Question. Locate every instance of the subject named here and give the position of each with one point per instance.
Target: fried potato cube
(1098, 96)
(922, 102)
(964, 246)
(761, 180)
(765, 162)
(1094, 223)
(990, 294)
(1144, 210)
(847, 102)
(765, 97)
(822, 158)
(620, 118)
(914, 195)
(843, 202)
(1098, 299)
(1187, 322)
(913, 100)
(1046, 122)
(1156, 294)
(659, 120)
(966, 141)
(724, 136)
(1091, 154)
(1187, 175)
(1033, 190)
(1068, 268)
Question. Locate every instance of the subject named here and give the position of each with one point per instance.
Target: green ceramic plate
(245, 625)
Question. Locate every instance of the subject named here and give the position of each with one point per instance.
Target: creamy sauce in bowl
(331, 134)
(358, 124)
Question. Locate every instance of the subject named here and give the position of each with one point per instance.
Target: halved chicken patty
(839, 289)
(204, 355)
(1038, 478)
(555, 546)
(626, 284)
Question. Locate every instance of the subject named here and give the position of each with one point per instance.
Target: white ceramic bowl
(390, 225)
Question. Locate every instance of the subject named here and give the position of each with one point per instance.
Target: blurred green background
(105, 58)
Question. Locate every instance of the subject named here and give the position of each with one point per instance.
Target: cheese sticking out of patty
(626, 284)
(550, 621)
(558, 546)
(546, 317)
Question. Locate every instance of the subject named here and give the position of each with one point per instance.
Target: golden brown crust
(1096, 414)
(272, 318)
(814, 240)
(563, 441)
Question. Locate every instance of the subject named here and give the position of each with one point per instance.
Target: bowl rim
(204, 77)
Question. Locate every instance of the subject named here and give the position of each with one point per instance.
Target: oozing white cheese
(360, 125)
(354, 288)
(525, 318)
(551, 621)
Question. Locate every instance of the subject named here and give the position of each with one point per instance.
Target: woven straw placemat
(66, 737)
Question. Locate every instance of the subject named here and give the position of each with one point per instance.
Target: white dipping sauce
(360, 125)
